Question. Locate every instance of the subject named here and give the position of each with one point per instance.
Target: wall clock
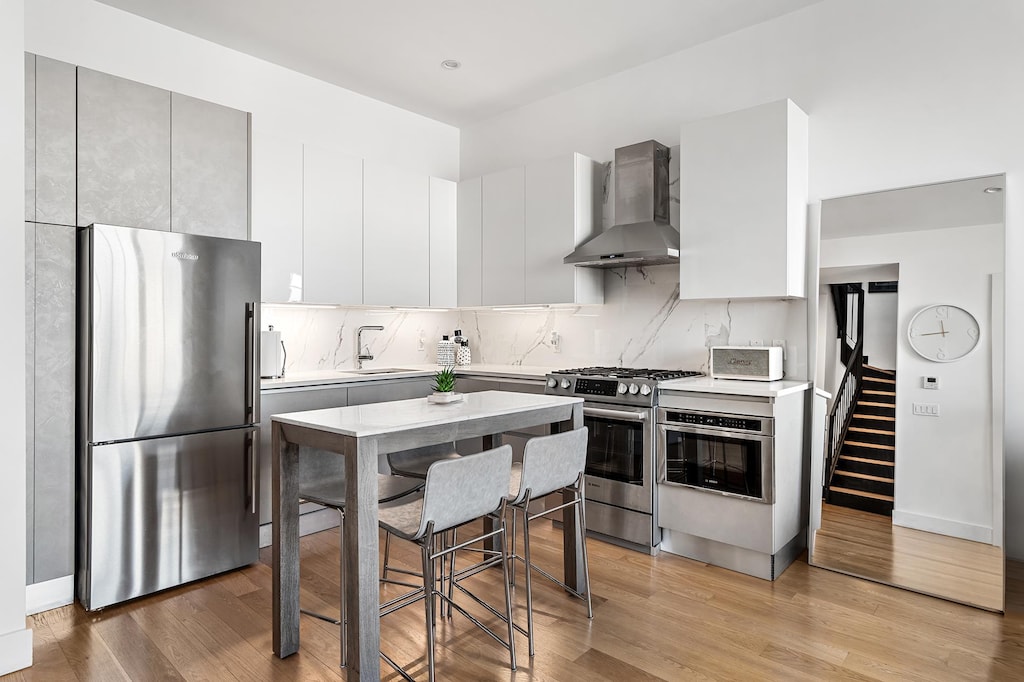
(943, 333)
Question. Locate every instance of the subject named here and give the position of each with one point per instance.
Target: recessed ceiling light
(993, 190)
(451, 64)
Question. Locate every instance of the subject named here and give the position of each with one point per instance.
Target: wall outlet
(556, 342)
(423, 341)
(781, 343)
(756, 342)
(926, 409)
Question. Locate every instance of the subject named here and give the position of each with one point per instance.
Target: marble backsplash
(641, 324)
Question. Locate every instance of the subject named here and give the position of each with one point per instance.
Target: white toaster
(754, 363)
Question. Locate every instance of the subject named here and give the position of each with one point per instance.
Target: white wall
(898, 93)
(880, 329)
(943, 464)
(15, 640)
(283, 102)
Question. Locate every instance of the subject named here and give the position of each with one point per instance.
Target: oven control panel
(714, 420)
(605, 387)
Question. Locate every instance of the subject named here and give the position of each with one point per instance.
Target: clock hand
(942, 325)
(933, 333)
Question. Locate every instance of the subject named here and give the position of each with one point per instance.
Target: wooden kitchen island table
(360, 434)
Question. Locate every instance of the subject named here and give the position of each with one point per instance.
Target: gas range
(617, 385)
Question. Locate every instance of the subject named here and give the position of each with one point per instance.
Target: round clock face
(943, 333)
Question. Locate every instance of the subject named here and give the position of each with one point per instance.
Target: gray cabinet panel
(392, 390)
(55, 142)
(124, 143)
(30, 136)
(54, 394)
(278, 402)
(209, 168)
(30, 402)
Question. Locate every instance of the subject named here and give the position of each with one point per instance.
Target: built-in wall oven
(619, 413)
(731, 454)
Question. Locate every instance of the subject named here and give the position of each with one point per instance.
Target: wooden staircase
(863, 478)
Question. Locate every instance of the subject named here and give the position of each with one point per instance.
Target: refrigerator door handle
(250, 451)
(252, 382)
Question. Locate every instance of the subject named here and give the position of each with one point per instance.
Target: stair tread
(868, 460)
(864, 429)
(879, 380)
(861, 493)
(874, 446)
(871, 404)
(877, 417)
(867, 477)
(879, 369)
(873, 392)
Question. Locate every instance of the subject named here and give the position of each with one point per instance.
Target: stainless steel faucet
(360, 355)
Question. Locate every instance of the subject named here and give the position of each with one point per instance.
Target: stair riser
(871, 409)
(868, 372)
(868, 453)
(864, 437)
(877, 384)
(863, 503)
(877, 424)
(866, 395)
(864, 484)
(866, 468)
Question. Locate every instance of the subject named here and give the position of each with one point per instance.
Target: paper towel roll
(271, 355)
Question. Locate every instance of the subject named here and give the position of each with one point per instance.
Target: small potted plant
(444, 386)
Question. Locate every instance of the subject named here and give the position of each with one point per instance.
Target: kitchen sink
(377, 370)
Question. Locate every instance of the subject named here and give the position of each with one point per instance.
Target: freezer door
(162, 512)
(171, 327)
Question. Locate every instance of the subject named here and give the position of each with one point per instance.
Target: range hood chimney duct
(642, 234)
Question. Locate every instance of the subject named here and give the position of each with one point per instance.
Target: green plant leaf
(444, 380)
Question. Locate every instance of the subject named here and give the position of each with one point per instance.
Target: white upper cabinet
(502, 238)
(560, 214)
(277, 215)
(396, 236)
(743, 204)
(443, 244)
(332, 227)
(470, 216)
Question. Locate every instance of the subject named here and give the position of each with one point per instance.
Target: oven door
(717, 460)
(620, 456)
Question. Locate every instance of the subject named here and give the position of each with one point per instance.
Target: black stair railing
(843, 409)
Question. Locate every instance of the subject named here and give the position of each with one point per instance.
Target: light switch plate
(926, 409)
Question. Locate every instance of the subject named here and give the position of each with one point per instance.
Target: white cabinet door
(559, 215)
(469, 229)
(443, 244)
(743, 204)
(396, 236)
(502, 262)
(277, 215)
(332, 232)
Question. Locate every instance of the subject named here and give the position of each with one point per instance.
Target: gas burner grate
(630, 373)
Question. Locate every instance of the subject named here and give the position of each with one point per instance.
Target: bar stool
(330, 490)
(413, 464)
(550, 464)
(457, 491)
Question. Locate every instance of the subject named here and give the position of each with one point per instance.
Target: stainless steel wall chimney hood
(642, 234)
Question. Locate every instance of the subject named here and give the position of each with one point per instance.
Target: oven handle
(614, 414)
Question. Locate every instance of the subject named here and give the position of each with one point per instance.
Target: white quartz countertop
(403, 415)
(762, 389)
(410, 371)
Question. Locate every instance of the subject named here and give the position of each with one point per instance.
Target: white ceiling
(512, 52)
(959, 203)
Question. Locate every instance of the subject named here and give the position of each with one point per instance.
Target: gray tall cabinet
(99, 148)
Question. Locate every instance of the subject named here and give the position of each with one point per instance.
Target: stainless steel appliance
(642, 233)
(730, 454)
(168, 394)
(620, 475)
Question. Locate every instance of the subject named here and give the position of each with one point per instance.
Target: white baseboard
(15, 651)
(934, 524)
(313, 522)
(49, 595)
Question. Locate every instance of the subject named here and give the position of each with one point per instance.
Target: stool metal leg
(528, 570)
(582, 530)
(428, 597)
(508, 597)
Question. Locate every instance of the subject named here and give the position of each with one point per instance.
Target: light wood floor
(664, 618)
(869, 545)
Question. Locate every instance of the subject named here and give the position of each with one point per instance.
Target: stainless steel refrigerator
(168, 405)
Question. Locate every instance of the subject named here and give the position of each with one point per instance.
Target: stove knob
(566, 383)
(645, 390)
(623, 388)
(552, 382)
(634, 389)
